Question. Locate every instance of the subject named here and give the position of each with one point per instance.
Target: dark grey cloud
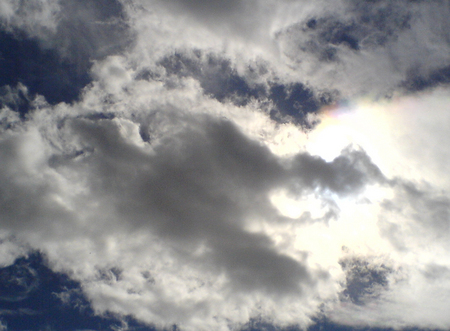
(198, 186)
(347, 174)
(201, 184)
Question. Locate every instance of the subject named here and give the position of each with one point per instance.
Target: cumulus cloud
(197, 192)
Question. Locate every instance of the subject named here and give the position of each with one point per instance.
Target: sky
(229, 165)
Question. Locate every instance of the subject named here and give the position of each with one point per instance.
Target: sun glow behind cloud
(399, 136)
(360, 123)
(388, 131)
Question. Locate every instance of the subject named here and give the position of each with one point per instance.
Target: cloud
(346, 46)
(34, 16)
(366, 47)
(10, 250)
(76, 29)
(411, 212)
(59, 41)
(104, 204)
(205, 173)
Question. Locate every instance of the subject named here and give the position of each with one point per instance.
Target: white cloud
(406, 223)
(10, 250)
(352, 46)
(36, 17)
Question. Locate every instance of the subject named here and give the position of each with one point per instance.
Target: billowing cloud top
(208, 163)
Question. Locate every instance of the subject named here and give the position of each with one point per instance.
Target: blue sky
(224, 165)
